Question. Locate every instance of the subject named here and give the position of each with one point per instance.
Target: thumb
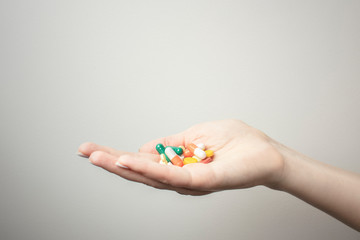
(173, 140)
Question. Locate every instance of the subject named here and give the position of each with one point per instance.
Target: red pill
(206, 160)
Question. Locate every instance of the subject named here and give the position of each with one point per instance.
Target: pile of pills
(180, 156)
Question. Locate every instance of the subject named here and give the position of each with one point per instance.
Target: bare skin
(244, 157)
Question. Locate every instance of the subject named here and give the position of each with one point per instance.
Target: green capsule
(177, 150)
(161, 150)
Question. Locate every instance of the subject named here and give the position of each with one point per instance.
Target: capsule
(175, 159)
(163, 159)
(194, 149)
(187, 153)
(161, 150)
(177, 150)
(197, 158)
(201, 146)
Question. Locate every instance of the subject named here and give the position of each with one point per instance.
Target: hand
(243, 157)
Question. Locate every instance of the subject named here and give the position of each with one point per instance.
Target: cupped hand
(243, 157)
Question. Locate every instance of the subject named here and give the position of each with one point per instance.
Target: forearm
(333, 190)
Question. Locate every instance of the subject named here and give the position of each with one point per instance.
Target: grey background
(121, 73)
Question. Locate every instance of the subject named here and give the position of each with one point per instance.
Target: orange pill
(195, 150)
(175, 159)
(187, 153)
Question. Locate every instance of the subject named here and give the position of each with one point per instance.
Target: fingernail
(82, 155)
(120, 165)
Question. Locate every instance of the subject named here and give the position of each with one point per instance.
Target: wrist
(285, 174)
(297, 170)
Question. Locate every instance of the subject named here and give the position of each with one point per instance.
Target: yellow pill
(189, 160)
(197, 158)
(163, 159)
(209, 153)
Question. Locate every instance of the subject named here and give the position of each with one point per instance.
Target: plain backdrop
(121, 73)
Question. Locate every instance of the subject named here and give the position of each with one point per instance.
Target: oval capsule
(187, 153)
(174, 158)
(177, 150)
(163, 159)
(194, 149)
(200, 145)
(197, 158)
(161, 150)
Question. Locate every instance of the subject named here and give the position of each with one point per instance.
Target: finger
(194, 177)
(88, 148)
(108, 162)
(174, 140)
(179, 177)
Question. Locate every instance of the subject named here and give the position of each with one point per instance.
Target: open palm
(244, 157)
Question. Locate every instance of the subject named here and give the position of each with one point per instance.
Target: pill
(200, 145)
(206, 160)
(177, 150)
(163, 159)
(182, 147)
(161, 150)
(209, 153)
(197, 158)
(189, 160)
(196, 151)
(187, 153)
(174, 158)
